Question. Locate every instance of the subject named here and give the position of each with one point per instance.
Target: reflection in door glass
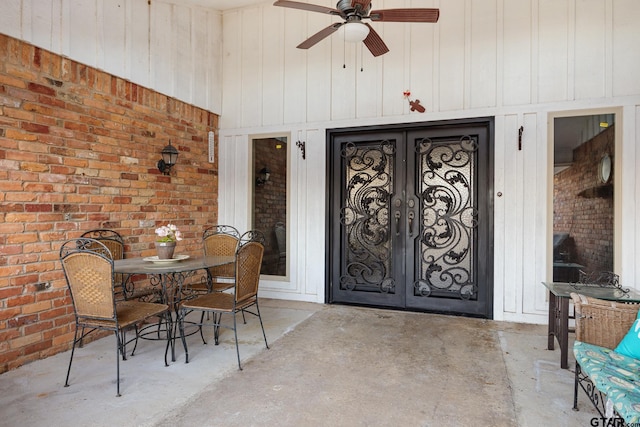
(270, 201)
(583, 204)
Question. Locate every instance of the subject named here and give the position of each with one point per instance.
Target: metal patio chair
(245, 296)
(88, 269)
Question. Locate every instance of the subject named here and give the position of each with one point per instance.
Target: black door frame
(487, 206)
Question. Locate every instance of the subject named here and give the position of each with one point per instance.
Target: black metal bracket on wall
(520, 131)
(300, 145)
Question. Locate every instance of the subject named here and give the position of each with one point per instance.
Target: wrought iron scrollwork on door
(365, 217)
(449, 215)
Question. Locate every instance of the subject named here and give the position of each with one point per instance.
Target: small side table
(559, 295)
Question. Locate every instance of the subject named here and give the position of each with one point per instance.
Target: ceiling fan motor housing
(352, 10)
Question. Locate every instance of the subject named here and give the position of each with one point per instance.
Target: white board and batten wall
(522, 62)
(168, 47)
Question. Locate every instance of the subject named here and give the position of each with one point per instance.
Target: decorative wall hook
(300, 145)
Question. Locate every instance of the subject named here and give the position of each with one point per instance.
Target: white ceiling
(221, 4)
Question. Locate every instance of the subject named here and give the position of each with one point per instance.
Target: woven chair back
(221, 241)
(111, 239)
(115, 243)
(88, 269)
(248, 264)
(116, 249)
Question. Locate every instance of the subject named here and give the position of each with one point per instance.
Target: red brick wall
(589, 220)
(78, 150)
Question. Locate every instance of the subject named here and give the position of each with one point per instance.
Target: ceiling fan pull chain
(344, 53)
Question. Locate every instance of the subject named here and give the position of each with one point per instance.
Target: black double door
(410, 223)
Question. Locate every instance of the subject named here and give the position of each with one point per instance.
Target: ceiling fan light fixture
(353, 12)
(355, 32)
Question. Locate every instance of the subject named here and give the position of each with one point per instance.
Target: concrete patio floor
(328, 365)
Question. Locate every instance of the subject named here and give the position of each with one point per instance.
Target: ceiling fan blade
(319, 36)
(405, 15)
(306, 6)
(374, 43)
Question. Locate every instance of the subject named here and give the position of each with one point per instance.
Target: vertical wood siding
(174, 48)
(516, 60)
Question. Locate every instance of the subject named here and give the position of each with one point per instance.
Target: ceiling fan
(353, 12)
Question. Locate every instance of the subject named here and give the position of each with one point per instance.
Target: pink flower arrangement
(168, 233)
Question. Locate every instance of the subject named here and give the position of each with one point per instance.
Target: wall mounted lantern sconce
(263, 176)
(169, 158)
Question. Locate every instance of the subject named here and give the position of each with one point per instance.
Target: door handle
(411, 216)
(397, 203)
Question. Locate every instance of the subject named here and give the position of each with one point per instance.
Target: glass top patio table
(168, 278)
(609, 293)
(143, 266)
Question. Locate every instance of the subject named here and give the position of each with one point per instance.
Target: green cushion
(614, 374)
